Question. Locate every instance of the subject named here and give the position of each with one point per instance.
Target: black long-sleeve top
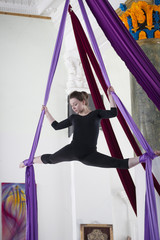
(86, 128)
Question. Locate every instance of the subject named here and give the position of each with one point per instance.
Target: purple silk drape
(107, 128)
(105, 82)
(127, 48)
(30, 185)
(32, 225)
(151, 230)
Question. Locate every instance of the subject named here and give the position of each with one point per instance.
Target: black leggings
(85, 154)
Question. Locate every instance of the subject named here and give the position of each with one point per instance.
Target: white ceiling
(54, 9)
(115, 3)
(40, 7)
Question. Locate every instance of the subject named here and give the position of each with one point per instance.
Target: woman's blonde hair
(81, 96)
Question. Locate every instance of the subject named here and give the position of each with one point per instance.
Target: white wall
(68, 194)
(26, 47)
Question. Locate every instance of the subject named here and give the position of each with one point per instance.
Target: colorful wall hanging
(13, 211)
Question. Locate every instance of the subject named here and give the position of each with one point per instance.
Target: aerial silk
(127, 48)
(30, 185)
(151, 220)
(106, 125)
(31, 197)
(105, 82)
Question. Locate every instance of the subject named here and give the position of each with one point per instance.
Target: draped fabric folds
(127, 48)
(107, 128)
(31, 195)
(30, 185)
(151, 220)
(105, 82)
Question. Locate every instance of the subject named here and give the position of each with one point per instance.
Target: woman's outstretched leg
(65, 154)
(35, 160)
(97, 159)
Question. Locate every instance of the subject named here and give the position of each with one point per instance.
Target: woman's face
(77, 106)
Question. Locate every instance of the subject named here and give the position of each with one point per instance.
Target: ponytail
(81, 96)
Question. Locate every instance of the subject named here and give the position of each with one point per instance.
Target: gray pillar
(144, 112)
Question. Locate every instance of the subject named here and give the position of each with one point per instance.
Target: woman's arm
(48, 115)
(113, 111)
(105, 114)
(57, 125)
(111, 100)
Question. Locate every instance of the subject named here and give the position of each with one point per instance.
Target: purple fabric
(86, 53)
(105, 83)
(145, 157)
(30, 185)
(151, 220)
(94, 43)
(127, 48)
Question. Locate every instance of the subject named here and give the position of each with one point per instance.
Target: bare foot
(157, 153)
(22, 165)
(25, 162)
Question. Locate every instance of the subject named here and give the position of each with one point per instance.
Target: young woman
(86, 128)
